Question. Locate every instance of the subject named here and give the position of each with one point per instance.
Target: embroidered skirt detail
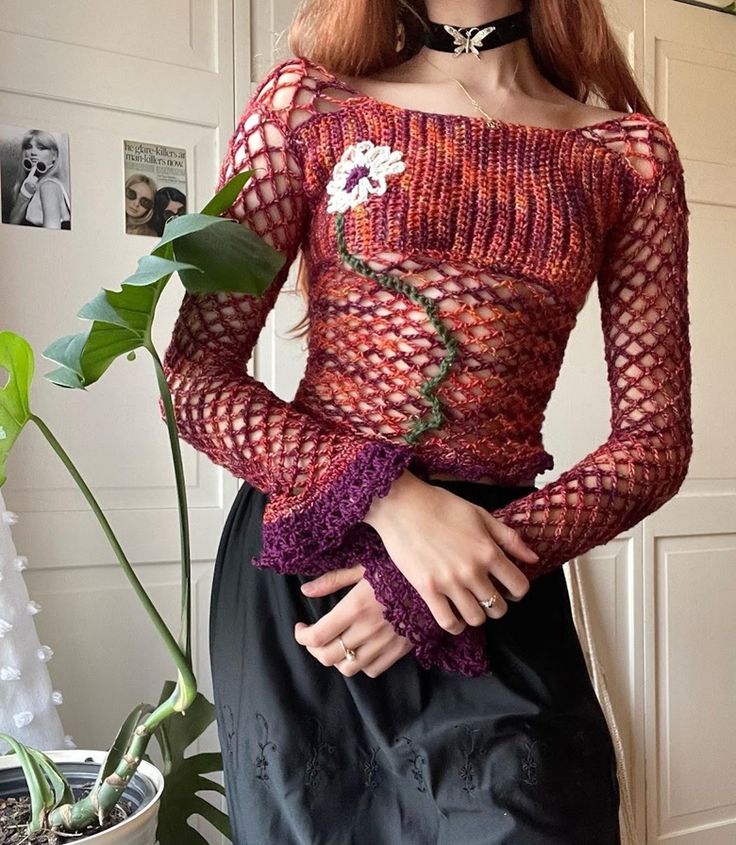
(520, 756)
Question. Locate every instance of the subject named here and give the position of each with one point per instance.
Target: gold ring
(349, 652)
(489, 602)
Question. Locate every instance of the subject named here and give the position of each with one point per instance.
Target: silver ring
(349, 652)
(489, 602)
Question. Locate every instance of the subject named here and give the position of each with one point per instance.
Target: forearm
(18, 211)
(609, 491)
(385, 508)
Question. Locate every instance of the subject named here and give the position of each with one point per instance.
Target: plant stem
(98, 804)
(150, 608)
(181, 493)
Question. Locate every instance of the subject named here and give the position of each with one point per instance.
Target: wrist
(385, 507)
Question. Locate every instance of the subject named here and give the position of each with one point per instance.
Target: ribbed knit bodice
(448, 261)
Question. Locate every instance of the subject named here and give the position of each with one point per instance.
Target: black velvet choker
(472, 39)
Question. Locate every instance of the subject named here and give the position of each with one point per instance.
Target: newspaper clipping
(155, 186)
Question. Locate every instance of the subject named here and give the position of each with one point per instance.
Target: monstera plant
(209, 252)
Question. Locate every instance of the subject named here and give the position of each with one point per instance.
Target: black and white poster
(155, 186)
(34, 177)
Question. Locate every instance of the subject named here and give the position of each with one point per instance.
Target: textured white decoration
(5, 627)
(57, 697)
(27, 710)
(69, 741)
(23, 718)
(9, 673)
(45, 653)
(361, 170)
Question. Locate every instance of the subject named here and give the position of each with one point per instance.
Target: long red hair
(571, 41)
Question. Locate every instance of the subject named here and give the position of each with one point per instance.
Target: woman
(39, 196)
(140, 191)
(454, 199)
(169, 202)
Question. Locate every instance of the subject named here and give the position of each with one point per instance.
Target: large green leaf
(16, 356)
(184, 775)
(152, 268)
(210, 253)
(40, 793)
(63, 793)
(226, 255)
(189, 224)
(227, 195)
(232, 257)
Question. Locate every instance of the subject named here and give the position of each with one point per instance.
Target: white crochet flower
(362, 170)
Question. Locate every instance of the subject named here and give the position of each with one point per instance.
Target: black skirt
(521, 756)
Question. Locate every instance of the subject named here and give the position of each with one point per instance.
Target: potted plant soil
(133, 820)
(118, 795)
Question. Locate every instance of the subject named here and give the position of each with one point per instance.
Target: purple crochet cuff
(409, 615)
(306, 541)
(329, 534)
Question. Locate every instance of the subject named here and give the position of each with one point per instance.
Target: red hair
(571, 41)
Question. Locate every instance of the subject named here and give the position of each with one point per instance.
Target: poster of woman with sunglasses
(34, 165)
(155, 186)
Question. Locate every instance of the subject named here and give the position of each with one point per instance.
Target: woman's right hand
(449, 550)
(30, 183)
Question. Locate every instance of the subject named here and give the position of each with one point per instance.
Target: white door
(660, 595)
(689, 581)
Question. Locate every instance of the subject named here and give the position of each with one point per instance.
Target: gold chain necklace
(491, 121)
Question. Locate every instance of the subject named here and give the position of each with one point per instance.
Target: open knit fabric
(448, 261)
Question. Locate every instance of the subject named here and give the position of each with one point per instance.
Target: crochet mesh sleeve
(642, 290)
(320, 478)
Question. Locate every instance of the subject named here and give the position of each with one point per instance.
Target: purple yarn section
(330, 534)
(406, 610)
(308, 541)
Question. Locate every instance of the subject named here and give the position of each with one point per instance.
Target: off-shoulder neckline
(363, 99)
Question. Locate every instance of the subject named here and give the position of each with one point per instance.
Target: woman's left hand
(358, 619)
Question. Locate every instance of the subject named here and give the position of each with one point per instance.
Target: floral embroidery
(533, 751)
(417, 761)
(529, 762)
(370, 768)
(313, 773)
(229, 729)
(361, 171)
(261, 761)
(466, 771)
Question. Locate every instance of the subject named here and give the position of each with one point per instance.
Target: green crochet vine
(428, 388)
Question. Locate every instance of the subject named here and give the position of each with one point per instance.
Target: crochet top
(448, 261)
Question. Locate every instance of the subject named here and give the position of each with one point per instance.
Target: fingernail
(307, 588)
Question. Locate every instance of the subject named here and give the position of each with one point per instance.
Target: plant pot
(143, 792)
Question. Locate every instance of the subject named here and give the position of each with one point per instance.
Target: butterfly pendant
(467, 42)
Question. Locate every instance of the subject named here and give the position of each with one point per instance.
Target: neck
(495, 67)
(470, 12)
